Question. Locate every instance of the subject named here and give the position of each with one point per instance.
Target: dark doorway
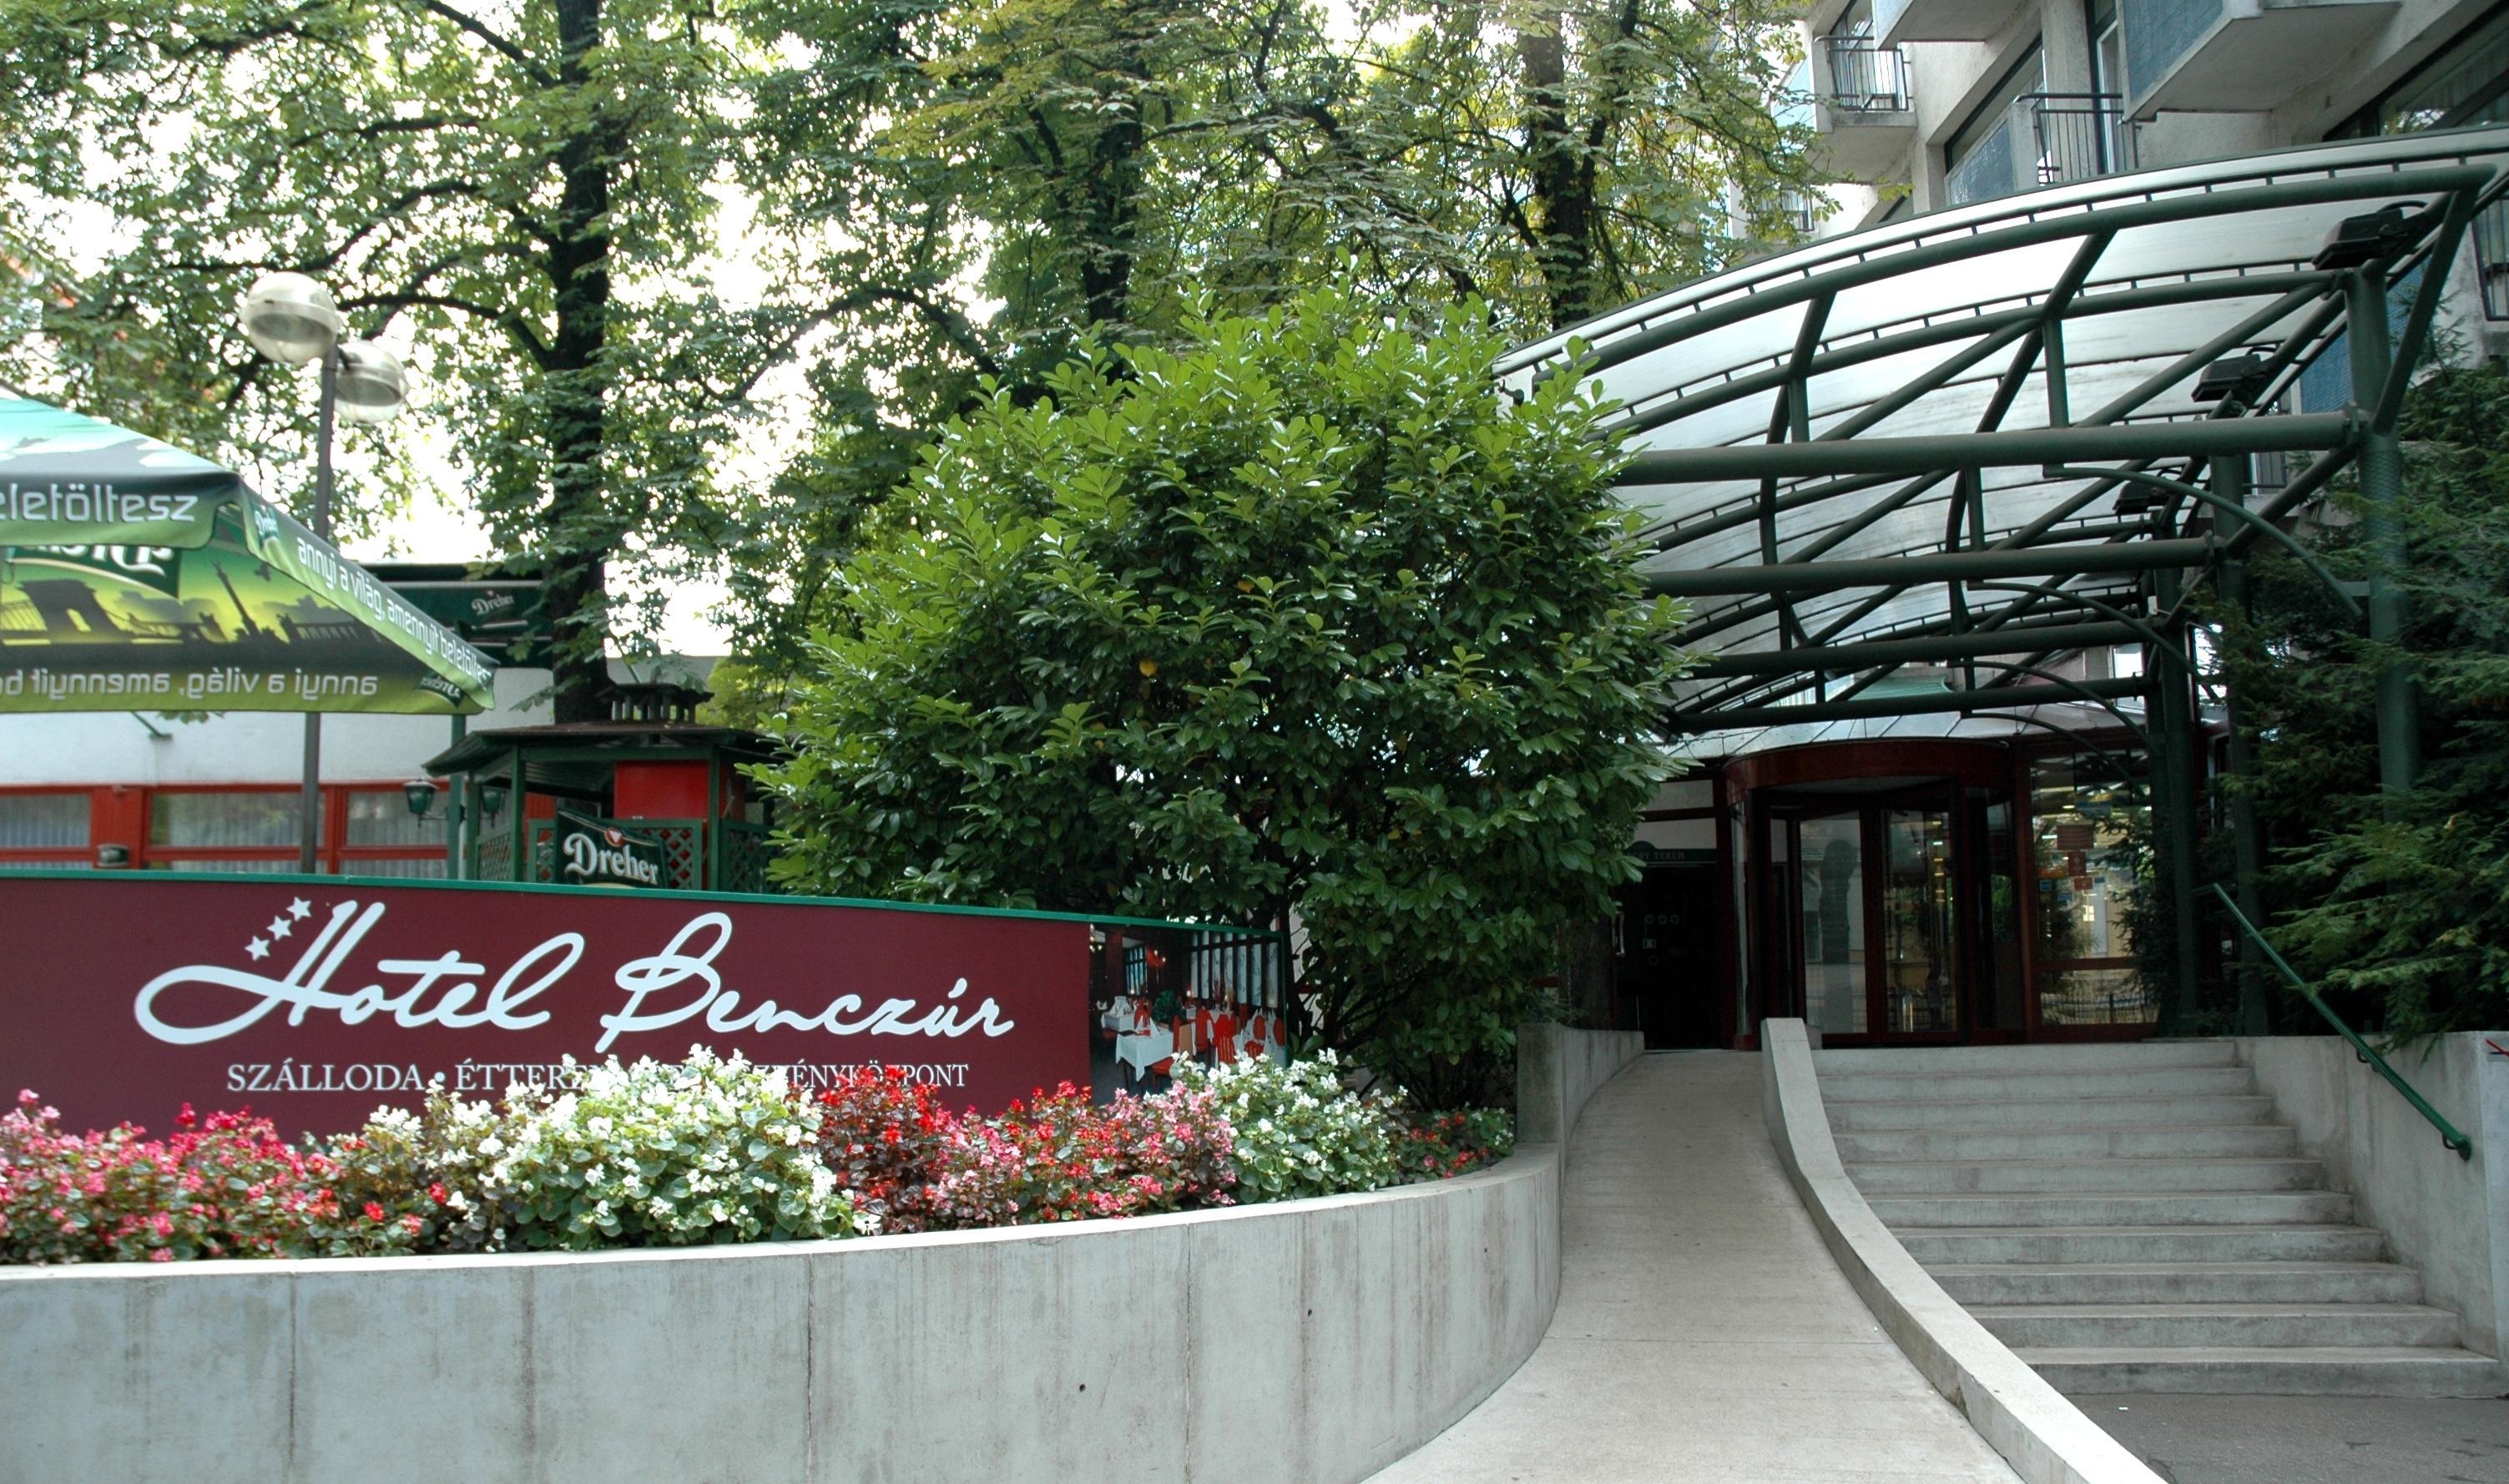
(1666, 967)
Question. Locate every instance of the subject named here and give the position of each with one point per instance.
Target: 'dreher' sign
(590, 853)
(313, 1002)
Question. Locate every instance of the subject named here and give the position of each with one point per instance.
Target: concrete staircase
(2131, 1218)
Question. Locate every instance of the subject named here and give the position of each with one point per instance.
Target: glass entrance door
(1867, 916)
(1831, 954)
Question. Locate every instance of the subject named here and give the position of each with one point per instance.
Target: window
(223, 821)
(2465, 85)
(1979, 159)
(386, 839)
(44, 830)
(2086, 826)
(42, 821)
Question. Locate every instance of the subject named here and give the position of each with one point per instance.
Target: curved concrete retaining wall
(2045, 1438)
(1309, 1341)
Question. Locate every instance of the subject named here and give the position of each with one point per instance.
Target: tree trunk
(581, 529)
(1562, 215)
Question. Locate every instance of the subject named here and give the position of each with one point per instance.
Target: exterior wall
(1307, 1340)
(2446, 1216)
(1949, 79)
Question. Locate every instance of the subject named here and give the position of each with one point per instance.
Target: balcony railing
(2080, 135)
(1863, 76)
(2045, 139)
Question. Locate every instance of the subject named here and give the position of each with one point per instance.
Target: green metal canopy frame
(1843, 454)
(134, 577)
(1837, 450)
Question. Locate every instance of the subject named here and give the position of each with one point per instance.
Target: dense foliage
(2399, 905)
(628, 237)
(1306, 618)
(223, 1186)
(706, 1151)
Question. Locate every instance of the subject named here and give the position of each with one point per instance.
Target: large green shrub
(1309, 615)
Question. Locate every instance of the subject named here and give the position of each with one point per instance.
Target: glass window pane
(42, 821)
(257, 866)
(2086, 829)
(425, 867)
(1832, 873)
(223, 819)
(1920, 986)
(378, 817)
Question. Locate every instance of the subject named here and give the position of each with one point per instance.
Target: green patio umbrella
(135, 577)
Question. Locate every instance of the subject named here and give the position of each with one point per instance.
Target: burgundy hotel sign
(313, 1002)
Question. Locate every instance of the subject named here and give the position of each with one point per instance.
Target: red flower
(435, 1193)
(374, 1212)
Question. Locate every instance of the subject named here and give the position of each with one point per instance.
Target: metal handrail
(2448, 1132)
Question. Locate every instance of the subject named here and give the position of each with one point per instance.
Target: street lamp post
(292, 320)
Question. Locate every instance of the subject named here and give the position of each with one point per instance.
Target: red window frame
(118, 814)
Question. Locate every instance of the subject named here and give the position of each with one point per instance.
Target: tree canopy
(1304, 618)
(920, 194)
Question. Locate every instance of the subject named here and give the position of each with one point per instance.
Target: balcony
(2237, 56)
(1946, 20)
(1862, 107)
(2047, 138)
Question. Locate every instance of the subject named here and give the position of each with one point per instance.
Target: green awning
(135, 577)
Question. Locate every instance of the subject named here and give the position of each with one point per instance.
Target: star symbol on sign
(280, 927)
(300, 908)
(258, 949)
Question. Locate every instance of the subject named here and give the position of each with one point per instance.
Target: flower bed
(705, 1151)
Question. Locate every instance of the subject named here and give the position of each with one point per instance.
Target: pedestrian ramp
(1703, 1331)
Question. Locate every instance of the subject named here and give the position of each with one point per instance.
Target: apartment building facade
(1924, 105)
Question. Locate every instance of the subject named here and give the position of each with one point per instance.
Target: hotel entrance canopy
(135, 577)
(1987, 437)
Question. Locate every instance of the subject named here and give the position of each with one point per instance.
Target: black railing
(2079, 135)
(1864, 76)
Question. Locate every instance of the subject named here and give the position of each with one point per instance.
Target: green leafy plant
(2397, 904)
(1309, 616)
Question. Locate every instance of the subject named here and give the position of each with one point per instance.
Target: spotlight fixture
(2137, 499)
(2364, 239)
(2233, 379)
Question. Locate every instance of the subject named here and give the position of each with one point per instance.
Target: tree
(1303, 618)
(532, 186)
(2401, 904)
(1120, 165)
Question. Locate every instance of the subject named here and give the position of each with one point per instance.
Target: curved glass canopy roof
(1866, 453)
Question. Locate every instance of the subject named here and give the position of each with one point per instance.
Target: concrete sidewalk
(1703, 1332)
(2197, 1439)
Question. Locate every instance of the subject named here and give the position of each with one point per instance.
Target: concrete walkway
(1703, 1332)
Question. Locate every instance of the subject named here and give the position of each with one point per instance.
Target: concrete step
(2327, 1242)
(2092, 1057)
(1971, 1114)
(2180, 1282)
(2244, 1208)
(2039, 1085)
(2269, 1371)
(2188, 1141)
(2082, 1177)
(2113, 1326)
